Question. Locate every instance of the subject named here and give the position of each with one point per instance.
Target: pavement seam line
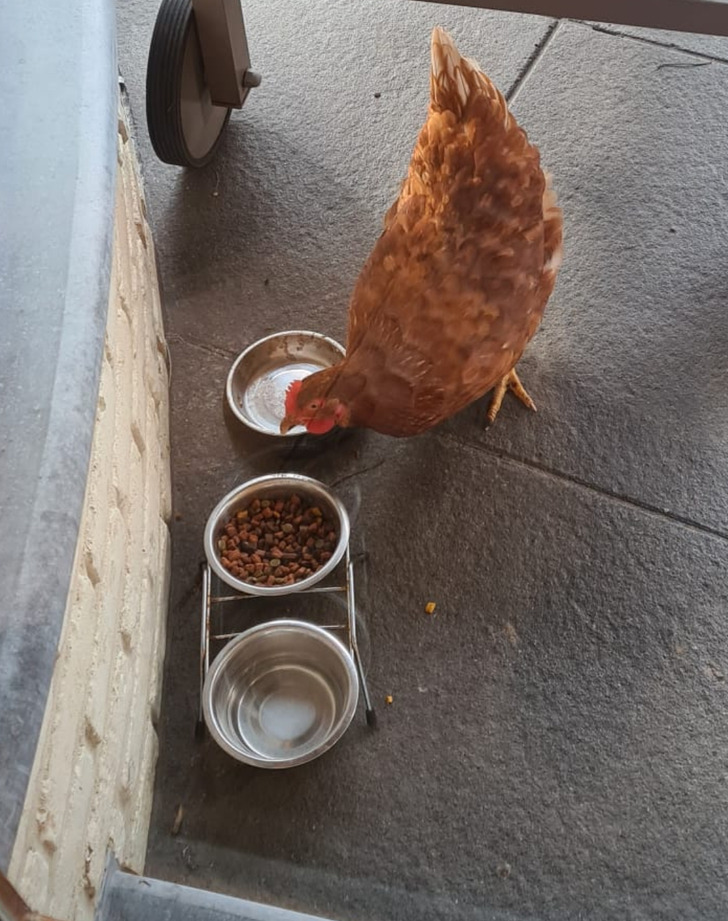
(601, 491)
(359, 472)
(671, 46)
(203, 346)
(532, 61)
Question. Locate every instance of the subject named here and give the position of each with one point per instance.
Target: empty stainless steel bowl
(280, 694)
(275, 486)
(258, 380)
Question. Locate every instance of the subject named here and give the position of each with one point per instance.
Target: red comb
(291, 396)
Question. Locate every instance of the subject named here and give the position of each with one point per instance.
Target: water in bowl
(264, 398)
(286, 711)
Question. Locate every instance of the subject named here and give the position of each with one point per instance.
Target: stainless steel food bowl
(258, 380)
(280, 694)
(275, 486)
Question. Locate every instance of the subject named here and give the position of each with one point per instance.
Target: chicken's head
(309, 402)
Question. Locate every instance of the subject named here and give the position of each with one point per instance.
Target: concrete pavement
(556, 747)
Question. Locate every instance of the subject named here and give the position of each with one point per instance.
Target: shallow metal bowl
(280, 694)
(276, 486)
(258, 380)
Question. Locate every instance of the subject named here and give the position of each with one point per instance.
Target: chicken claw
(513, 381)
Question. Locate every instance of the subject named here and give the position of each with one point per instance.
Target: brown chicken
(459, 279)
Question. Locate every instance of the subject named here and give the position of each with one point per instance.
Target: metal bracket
(225, 55)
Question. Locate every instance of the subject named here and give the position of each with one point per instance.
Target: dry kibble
(430, 607)
(388, 699)
(276, 541)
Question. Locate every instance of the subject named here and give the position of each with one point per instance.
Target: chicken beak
(286, 425)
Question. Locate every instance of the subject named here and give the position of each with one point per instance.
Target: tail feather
(455, 79)
(447, 79)
(552, 232)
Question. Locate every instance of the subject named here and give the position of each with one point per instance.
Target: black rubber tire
(173, 30)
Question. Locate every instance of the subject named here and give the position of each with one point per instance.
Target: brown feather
(459, 279)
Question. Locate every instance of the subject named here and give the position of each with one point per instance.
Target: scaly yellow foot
(512, 381)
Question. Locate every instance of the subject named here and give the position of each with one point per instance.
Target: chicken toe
(512, 381)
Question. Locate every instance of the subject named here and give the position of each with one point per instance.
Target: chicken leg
(512, 381)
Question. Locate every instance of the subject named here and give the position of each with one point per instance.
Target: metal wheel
(185, 126)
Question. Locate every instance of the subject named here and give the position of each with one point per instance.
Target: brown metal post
(224, 48)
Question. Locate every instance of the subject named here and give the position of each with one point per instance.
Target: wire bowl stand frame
(347, 627)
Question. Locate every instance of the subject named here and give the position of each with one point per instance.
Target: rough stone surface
(553, 749)
(552, 745)
(92, 780)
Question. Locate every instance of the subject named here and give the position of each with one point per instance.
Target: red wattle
(320, 426)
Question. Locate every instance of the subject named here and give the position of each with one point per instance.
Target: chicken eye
(314, 404)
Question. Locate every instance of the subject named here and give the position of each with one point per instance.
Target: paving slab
(555, 745)
(630, 367)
